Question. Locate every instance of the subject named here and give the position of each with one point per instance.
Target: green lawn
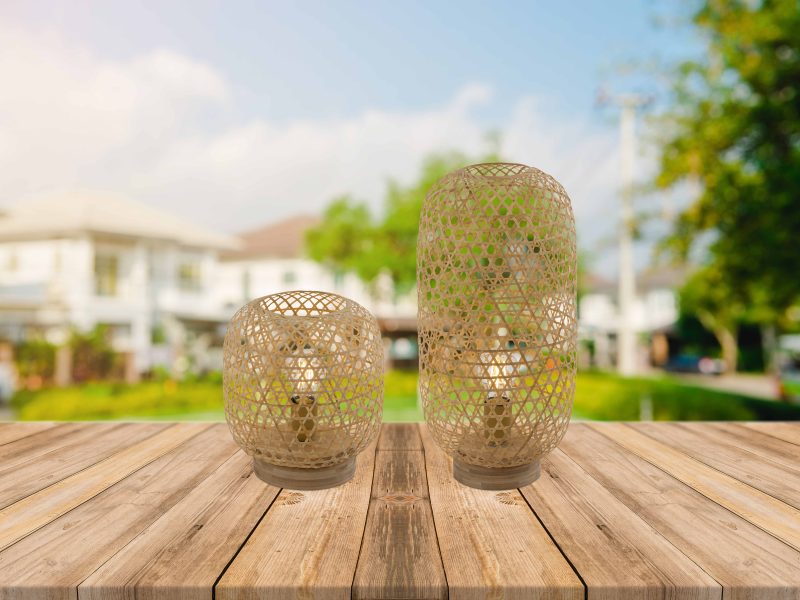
(601, 396)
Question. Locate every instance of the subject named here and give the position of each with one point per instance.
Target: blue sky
(242, 112)
(329, 59)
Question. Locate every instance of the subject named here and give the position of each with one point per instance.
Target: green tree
(343, 237)
(720, 309)
(350, 239)
(733, 127)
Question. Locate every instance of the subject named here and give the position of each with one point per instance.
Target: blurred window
(106, 274)
(189, 278)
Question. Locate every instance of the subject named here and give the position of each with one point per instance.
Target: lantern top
(300, 303)
(496, 170)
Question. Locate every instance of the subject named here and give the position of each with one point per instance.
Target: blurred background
(161, 164)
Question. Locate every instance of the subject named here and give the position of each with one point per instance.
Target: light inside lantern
(497, 419)
(305, 408)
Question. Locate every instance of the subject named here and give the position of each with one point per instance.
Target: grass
(173, 401)
(600, 396)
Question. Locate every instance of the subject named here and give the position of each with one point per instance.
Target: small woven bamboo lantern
(497, 281)
(303, 386)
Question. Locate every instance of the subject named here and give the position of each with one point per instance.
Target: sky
(237, 114)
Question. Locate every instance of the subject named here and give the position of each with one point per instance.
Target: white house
(164, 287)
(82, 259)
(271, 259)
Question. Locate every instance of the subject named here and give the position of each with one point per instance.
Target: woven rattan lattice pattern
(303, 379)
(497, 279)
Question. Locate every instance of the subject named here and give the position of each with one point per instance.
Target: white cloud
(69, 118)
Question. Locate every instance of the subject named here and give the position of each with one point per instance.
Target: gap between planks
(40, 508)
(759, 508)
(721, 542)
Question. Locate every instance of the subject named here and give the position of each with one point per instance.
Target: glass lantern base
(489, 478)
(304, 479)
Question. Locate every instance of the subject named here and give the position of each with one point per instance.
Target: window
(106, 274)
(189, 279)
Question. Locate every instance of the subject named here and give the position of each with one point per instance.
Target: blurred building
(163, 287)
(655, 313)
(82, 259)
(272, 259)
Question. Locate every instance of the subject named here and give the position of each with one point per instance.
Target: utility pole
(628, 105)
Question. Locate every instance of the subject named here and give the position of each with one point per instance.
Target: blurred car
(692, 363)
(788, 368)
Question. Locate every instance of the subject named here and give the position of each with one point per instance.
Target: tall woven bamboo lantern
(497, 282)
(303, 386)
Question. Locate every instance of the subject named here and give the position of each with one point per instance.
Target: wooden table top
(159, 510)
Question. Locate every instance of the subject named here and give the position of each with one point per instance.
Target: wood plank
(11, 432)
(50, 563)
(181, 555)
(789, 432)
(31, 513)
(618, 555)
(29, 448)
(77, 453)
(768, 513)
(491, 543)
(727, 455)
(307, 545)
(752, 440)
(400, 553)
(400, 436)
(747, 561)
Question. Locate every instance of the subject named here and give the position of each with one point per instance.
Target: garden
(599, 396)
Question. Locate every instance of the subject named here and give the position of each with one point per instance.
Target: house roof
(663, 277)
(283, 239)
(61, 214)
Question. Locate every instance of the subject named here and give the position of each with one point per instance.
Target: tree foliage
(720, 309)
(351, 239)
(734, 127)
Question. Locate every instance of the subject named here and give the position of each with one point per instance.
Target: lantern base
(305, 479)
(490, 478)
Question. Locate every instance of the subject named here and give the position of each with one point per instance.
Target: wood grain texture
(492, 545)
(27, 515)
(747, 561)
(400, 436)
(181, 555)
(10, 432)
(75, 454)
(31, 447)
(618, 555)
(728, 455)
(757, 507)
(400, 553)
(50, 564)
(307, 545)
(789, 432)
(756, 441)
(149, 511)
